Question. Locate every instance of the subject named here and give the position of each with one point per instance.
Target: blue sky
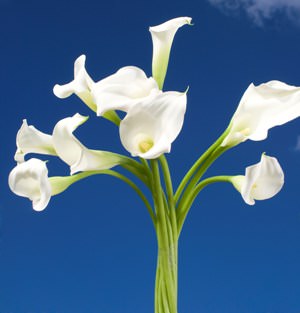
(93, 249)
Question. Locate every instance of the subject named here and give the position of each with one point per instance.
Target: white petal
(31, 140)
(261, 108)
(95, 160)
(152, 125)
(162, 38)
(122, 89)
(262, 180)
(81, 85)
(30, 179)
(74, 153)
(67, 146)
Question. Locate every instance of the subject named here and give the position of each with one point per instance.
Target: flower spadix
(152, 125)
(162, 39)
(30, 179)
(123, 89)
(74, 153)
(31, 140)
(261, 181)
(261, 108)
(81, 85)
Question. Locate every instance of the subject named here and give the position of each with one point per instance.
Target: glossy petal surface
(31, 140)
(162, 39)
(30, 179)
(261, 181)
(81, 85)
(261, 108)
(74, 153)
(123, 89)
(152, 125)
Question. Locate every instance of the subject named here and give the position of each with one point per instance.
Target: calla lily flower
(64, 145)
(261, 108)
(261, 181)
(152, 125)
(74, 153)
(81, 85)
(162, 39)
(31, 140)
(30, 179)
(123, 89)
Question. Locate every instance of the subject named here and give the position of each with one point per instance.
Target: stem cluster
(168, 210)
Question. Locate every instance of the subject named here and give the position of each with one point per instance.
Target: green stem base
(166, 280)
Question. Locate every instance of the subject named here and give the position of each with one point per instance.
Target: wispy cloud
(260, 10)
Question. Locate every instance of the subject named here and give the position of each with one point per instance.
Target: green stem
(113, 117)
(169, 189)
(140, 174)
(207, 163)
(189, 200)
(196, 165)
(141, 171)
(172, 211)
(60, 184)
(145, 164)
(166, 278)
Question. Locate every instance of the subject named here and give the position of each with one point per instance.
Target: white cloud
(260, 10)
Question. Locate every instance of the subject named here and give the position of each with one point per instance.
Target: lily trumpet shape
(162, 39)
(81, 85)
(30, 179)
(261, 108)
(116, 92)
(31, 140)
(123, 89)
(152, 125)
(261, 181)
(64, 145)
(74, 153)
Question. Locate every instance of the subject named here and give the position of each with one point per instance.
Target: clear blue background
(93, 250)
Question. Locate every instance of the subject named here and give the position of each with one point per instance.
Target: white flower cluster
(153, 120)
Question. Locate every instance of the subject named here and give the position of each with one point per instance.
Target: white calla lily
(30, 179)
(64, 145)
(261, 181)
(261, 108)
(31, 140)
(162, 39)
(74, 153)
(122, 89)
(152, 125)
(81, 85)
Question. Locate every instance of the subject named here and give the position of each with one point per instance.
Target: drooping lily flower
(162, 39)
(152, 125)
(81, 85)
(74, 153)
(30, 179)
(31, 140)
(261, 108)
(261, 181)
(123, 89)
(64, 145)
